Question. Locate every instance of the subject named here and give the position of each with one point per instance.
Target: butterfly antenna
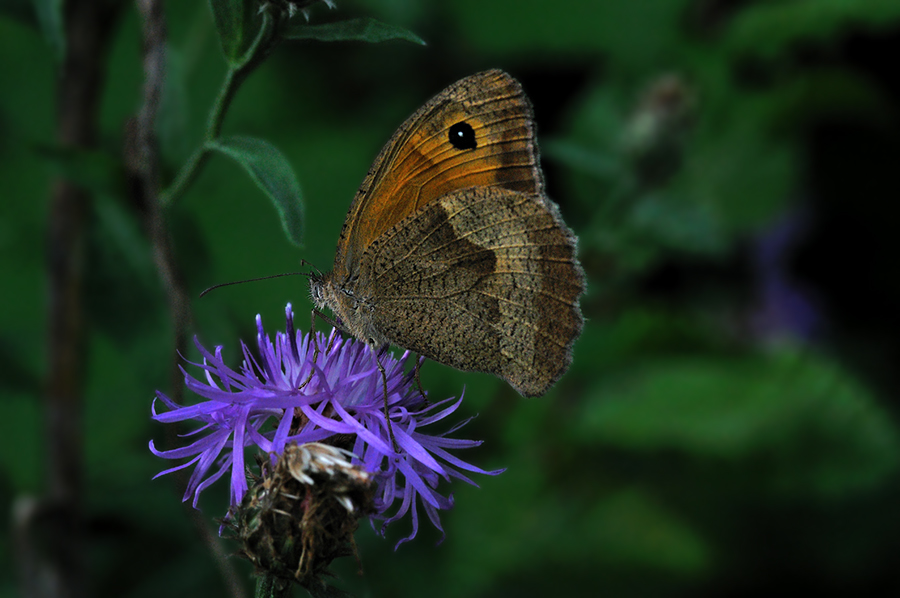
(228, 284)
(304, 262)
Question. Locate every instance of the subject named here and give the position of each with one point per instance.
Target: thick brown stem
(142, 157)
(88, 24)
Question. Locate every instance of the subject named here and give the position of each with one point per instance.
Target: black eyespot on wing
(462, 136)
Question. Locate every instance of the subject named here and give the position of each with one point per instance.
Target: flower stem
(234, 77)
(269, 586)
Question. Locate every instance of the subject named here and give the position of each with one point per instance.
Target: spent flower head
(289, 394)
(301, 512)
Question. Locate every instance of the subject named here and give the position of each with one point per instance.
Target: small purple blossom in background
(784, 309)
(267, 405)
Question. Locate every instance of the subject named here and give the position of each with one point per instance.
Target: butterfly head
(317, 290)
(355, 313)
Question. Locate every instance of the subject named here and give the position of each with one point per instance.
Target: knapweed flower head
(289, 394)
(301, 513)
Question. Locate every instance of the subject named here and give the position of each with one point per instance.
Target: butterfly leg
(419, 360)
(387, 417)
(315, 313)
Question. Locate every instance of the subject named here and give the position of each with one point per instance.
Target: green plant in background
(694, 447)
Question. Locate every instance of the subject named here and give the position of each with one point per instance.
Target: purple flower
(288, 396)
(784, 308)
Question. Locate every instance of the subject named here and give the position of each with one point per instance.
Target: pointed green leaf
(273, 173)
(362, 30)
(815, 428)
(237, 22)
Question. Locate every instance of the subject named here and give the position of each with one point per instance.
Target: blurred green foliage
(688, 450)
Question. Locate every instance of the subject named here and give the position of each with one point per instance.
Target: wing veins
(427, 236)
(441, 132)
(500, 330)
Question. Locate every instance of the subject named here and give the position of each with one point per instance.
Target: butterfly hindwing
(481, 279)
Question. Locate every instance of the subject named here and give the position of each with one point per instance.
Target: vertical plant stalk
(143, 162)
(88, 26)
(142, 158)
(236, 74)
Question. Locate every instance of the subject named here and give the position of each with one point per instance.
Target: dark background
(729, 424)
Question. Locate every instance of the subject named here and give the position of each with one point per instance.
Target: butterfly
(451, 248)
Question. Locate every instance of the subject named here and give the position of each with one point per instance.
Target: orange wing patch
(421, 163)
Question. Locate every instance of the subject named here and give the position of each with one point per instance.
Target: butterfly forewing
(476, 133)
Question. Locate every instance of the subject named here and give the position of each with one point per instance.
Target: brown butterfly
(452, 250)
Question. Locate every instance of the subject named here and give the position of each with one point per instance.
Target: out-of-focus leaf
(518, 531)
(635, 34)
(50, 18)
(824, 93)
(237, 22)
(676, 225)
(637, 334)
(727, 174)
(271, 171)
(652, 225)
(22, 442)
(629, 528)
(361, 30)
(94, 170)
(740, 175)
(122, 279)
(767, 28)
(817, 429)
(582, 158)
(598, 119)
(597, 170)
(15, 374)
(192, 248)
(22, 11)
(172, 120)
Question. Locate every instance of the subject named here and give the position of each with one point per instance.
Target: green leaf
(743, 176)
(518, 529)
(631, 528)
(273, 173)
(676, 225)
(22, 11)
(122, 279)
(173, 119)
(797, 422)
(15, 373)
(588, 160)
(237, 22)
(50, 18)
(637, 34)
(611, 344)
(769, 28)
(362, 30)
